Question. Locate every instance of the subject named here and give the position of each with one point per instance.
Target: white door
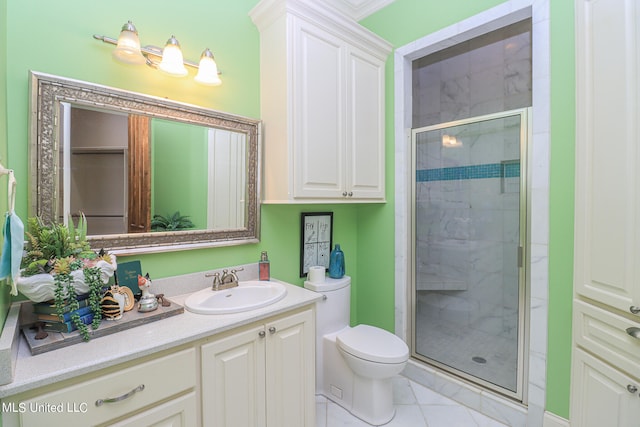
(608, 397)
(233, 380)
(318, 113)
(607, 174)
(365, 126)
(291, 371)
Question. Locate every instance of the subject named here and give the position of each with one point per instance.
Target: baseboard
(552, 420)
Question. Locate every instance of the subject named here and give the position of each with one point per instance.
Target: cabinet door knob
(350, 193)
(634, 309)
(632, 388)
(272, 330)
(100, 402)
(634, 332)
(261, 334)
(344, 194)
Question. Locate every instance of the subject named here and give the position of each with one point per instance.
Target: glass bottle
(264, 267)
(336, 263)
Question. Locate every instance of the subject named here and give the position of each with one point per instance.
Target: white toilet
(354, 366)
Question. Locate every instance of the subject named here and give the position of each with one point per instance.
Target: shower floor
(492, 358)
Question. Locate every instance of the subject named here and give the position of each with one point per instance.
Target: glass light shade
(172, 61)
(128, 48)
(208, 70)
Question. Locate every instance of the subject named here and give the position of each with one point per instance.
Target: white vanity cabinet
(157, 391)
(606, 310)
(262, 374)
(322, 79)
(253, 368)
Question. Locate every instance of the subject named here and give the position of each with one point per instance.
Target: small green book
(127, 274)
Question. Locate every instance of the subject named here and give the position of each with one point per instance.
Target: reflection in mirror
(123, 170)
(130, 161)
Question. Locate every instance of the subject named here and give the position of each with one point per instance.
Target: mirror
(122, 158)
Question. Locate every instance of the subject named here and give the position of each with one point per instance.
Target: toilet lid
(373, 344)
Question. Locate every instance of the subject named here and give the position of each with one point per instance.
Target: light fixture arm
(147, 51)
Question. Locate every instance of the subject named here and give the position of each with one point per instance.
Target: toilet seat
(373, 344)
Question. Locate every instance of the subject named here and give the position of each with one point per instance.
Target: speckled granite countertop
(36, 371)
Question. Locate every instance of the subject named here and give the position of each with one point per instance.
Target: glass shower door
(469, 219)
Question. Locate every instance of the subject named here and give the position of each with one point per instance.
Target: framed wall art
(316, 239)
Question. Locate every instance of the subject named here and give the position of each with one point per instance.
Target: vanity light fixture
(168, 60)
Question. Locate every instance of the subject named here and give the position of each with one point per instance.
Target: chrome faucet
(229, 279)
(215, 286)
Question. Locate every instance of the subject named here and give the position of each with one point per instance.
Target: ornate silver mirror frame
(46, 94)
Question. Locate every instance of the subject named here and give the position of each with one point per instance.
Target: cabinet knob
(634, 309)
(344, 194)
(261, 334)
(350, 193)
(632, 388)
(272, 330)
(100, 402)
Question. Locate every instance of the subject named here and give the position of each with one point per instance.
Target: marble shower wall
(487, 74)
(467, 232)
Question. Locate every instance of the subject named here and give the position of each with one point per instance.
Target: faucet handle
(233, 274)
(235, 270)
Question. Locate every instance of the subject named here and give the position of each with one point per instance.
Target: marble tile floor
(416, 406)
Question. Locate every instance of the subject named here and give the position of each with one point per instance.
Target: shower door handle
(520, 256)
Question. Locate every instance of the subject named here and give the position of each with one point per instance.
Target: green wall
(179, 176)
(5, 298)
(561, 207)
(407, 20)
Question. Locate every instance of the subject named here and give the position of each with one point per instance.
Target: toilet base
(360, 416)
(371, 400)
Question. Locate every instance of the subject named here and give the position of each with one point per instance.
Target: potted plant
(59, 265)
(171, 222)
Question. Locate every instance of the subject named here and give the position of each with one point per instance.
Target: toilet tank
(332, 312)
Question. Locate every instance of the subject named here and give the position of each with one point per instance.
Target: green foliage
(92, 278)
(171, 222)
(58, 249)
(47, 243)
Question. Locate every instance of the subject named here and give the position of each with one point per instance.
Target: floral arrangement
(59, 264)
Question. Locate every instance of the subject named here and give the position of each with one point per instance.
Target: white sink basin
(246, 296)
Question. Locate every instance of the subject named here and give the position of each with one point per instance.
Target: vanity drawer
(605, 334)
(78, 405)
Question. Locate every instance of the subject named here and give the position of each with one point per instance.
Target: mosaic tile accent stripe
(490, 170)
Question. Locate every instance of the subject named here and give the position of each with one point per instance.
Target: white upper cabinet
(322, 104)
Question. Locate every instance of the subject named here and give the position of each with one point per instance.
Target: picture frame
(316, 240)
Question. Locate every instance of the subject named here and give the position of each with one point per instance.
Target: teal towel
(12, 249)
